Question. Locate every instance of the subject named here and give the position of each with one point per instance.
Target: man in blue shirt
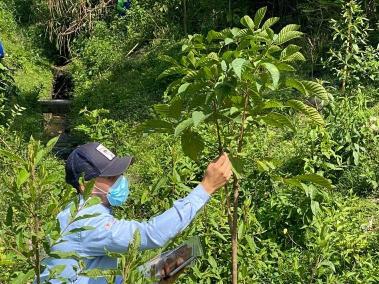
(94, 161)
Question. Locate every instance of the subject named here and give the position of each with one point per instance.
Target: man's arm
(159, 230)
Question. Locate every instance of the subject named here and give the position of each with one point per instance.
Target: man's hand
(217, 174)
(174, 261)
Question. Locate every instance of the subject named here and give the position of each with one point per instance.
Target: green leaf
(237, 66)
(269, 104)
(212, 262)
(22, 177)
(309, 111)
(297, 56)
(162, 109)
(97, 273)
(213, 56)
(88, 187)
(212, 35)
(172, 110)
(168, 59)
(285, 67)
(86, 216)
(191, 58)
(298, 85)
(192, 144)
(52, 143)
(156, 125)
(13, 157)
(259, 15)
(182, 126)
(56, 270)
(183, 87)
(237, 165)
(270, 22)
(64, 255)
(9, 217)
(248, 22)
(198, 117)
(228, 41)
(316, 179)
(218, 234)
(315, 89)
(265, 165)
(291, 53)
(283, 38)
(278, 120)
(327, 263)
(73, 209)
(274, 72)
(288, 33)
(92, 201)
(81, 229)
(23, 278)
(173, 71)
(293, 182)
(315, 207)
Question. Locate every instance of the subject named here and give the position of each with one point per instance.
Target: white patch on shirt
(105, 152)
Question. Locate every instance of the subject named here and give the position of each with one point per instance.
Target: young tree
(229, 82)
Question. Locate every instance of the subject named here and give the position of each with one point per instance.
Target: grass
(32, 71)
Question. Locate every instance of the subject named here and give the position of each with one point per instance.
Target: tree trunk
(236, 188)
(185, 17)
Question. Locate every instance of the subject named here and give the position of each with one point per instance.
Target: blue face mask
(118, 192)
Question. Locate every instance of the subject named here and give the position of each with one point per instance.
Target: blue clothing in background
(2, 52)
(114, 235)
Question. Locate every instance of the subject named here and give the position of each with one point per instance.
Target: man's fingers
(226, 165)
(222, 159)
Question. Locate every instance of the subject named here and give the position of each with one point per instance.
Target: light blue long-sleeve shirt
(110, 234)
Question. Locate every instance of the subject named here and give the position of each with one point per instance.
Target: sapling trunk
(220, 151)
(236, 189)
(35, 227)
(35, 243)
(233, 218)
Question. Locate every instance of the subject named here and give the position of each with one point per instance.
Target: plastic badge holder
(176, 259)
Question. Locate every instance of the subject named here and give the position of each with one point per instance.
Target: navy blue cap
(94, 160)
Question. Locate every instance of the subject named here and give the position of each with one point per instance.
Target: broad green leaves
(274, 72)
(278, 120)
(248, 22)
(253, 62)
(308, 88)
(288, 33)
(259, 15)
(309, 111)
(182, 126)
(198, 117)
(192, 144)
(270, 22)
(238, 65)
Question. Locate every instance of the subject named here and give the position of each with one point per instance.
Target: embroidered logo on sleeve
(109, 224)
(105, 152)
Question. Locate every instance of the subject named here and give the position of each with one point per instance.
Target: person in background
(2, 51)
(122, 6)
(94, 161)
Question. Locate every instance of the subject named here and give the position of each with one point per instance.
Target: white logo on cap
(105, 152)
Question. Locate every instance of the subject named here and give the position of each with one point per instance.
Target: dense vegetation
(288, 88)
